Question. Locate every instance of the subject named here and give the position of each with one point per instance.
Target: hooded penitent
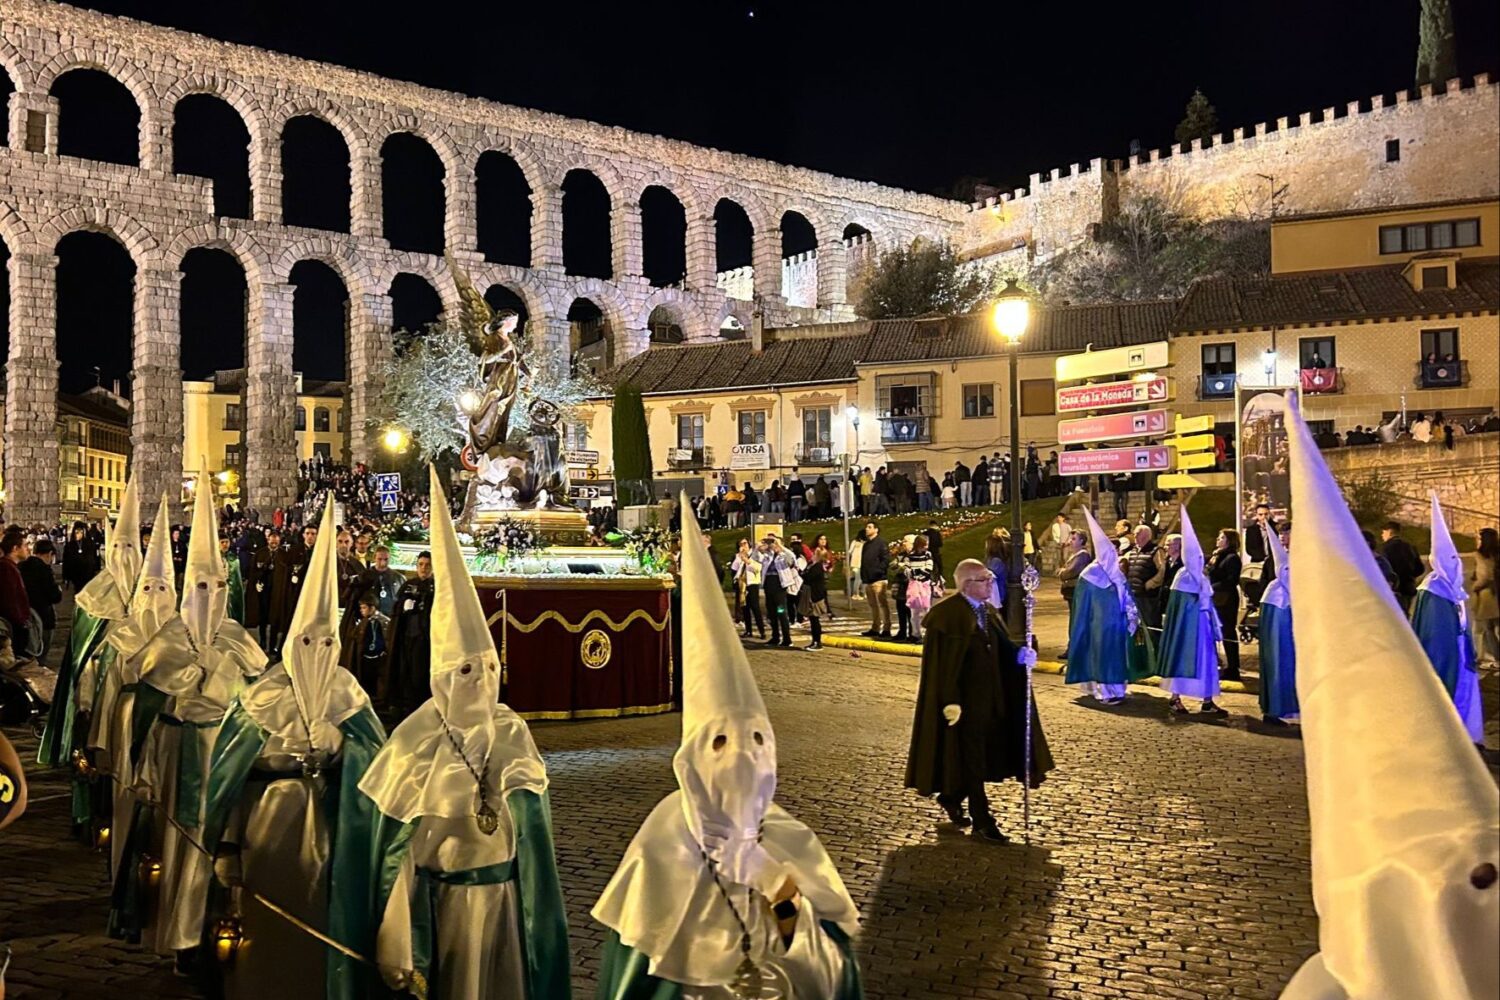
(1441, 620)
(154, 599)
(302, 705)
(1405, 816)
(420, 772)
(1191, 630)
(102, 600)
(107, 594)
(1278, 654)
(463, 772)
(1100, 645)
(289, 758)
(663, 901)
(199, 659)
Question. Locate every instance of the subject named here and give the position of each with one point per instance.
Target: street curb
(1042, 666)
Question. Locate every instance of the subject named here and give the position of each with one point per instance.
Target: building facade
(92, 431)
(1373, 314)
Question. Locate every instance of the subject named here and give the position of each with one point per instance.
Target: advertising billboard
(1261, 461)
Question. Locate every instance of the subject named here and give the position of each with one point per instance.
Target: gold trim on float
(549, 615)
(597, 713)
(591, 581)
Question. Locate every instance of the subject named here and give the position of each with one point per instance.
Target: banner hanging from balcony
(1320, 380)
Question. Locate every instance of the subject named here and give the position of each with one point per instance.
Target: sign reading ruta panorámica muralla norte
(1114, 395)
(750, 456)
(1115, 361)
(1113, 427)
(1104, 460)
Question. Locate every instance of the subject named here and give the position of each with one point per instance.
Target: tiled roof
(1334, 297)
(93, 406)
(800, 358)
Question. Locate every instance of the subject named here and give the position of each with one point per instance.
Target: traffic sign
(1113, 427)
(1114, 395)
(1103, 460)
(1202, 480)
(1092, 364)
(1194, 425)
(1196, 460)
(581, 458)
(1193, 442)
(583, 492)
(388, 482)
(388, 504)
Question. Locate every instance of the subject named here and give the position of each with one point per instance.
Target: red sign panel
(1113, 426)
(1103, 460)
(1113, 395)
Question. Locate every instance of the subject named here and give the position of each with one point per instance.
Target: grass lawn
(969, 527)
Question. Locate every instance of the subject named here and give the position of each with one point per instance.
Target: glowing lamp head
(228, 936)
(1012, 313)
(1268, 360)
(469, 400)
(852, 413)
(394, 439)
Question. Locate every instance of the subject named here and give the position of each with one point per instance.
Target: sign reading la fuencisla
(1113, 427)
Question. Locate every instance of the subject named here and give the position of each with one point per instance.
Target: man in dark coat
(410, 682)
(382, 581)
(259, 573)
(969, 726)
(80, 558)
(287, 576)
(1402, 556)
(41, 588)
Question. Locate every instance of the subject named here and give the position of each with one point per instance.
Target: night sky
(943, 95)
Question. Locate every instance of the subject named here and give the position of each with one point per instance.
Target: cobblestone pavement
(1169, 855)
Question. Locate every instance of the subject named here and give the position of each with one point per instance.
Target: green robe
(358, 831)
(1446, 642)
(58, 739)
(236, 589)
(544, 929)
(623, 975)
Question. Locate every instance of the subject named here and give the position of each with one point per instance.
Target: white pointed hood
(1105, 570)
(1447, 577)
(107, 595)
(311, 650)
(1278, 593)
(154, 601)
(662, 900)
(419, 772)
(1404, 812)
(205, 582)
(1191, 577)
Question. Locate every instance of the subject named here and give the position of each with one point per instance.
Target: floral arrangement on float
(650, 547)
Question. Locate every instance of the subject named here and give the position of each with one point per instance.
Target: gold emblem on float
(595, 649)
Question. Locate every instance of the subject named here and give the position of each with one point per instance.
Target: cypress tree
(1436, 62)
(632, 447)
(1199, 120)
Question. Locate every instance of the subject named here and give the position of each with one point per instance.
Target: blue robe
(1278, 664)
(1451, 649)
(1098, 641)
(1187, 657)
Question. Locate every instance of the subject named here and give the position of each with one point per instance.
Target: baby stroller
(1252, 587)
(25, 685)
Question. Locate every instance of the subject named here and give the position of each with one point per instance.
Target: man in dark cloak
(259, 580)
(288, 573)
(410, 684)
(970, 725)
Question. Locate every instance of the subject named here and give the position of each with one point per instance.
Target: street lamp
(1268, 365)
(1012, 317)
(846, 500)
(394, 439)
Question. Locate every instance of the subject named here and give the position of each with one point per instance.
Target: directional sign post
(1114, 395)
(581, 459)
(1106, 460)
(1113, 427)
(1092, 364)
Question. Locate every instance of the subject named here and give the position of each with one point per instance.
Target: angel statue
(500, 364)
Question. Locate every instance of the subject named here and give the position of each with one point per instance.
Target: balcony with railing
(690, 458)
(1321, 381)
(1450, 374)
(814, 454)
(1217, 386)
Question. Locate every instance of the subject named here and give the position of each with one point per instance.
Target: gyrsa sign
(750, 456)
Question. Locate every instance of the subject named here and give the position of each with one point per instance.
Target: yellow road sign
(1195, 460)
(1194, 425)
(1193, 442)
(1203, 480)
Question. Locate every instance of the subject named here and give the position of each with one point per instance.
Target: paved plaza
(1169, 855)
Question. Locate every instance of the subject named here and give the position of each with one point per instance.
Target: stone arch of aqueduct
(158, 216)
